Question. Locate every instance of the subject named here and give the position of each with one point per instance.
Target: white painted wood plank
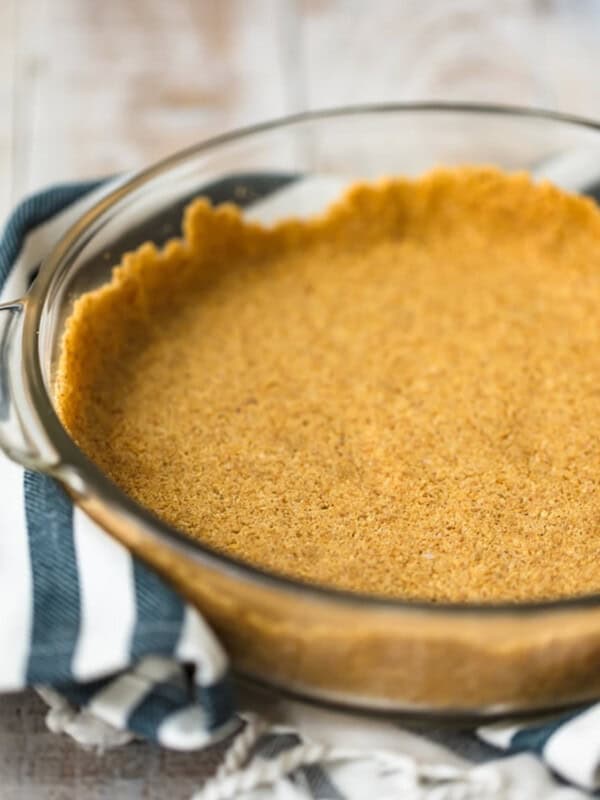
(7, 90)
(526, 52)
(113, 86)
(29, 66)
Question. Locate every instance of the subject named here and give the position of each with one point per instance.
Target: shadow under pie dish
(378, 423)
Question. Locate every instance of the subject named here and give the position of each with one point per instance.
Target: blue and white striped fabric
(81, 615)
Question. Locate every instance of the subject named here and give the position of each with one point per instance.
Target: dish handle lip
(22, 436)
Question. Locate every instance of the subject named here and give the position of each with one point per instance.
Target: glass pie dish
(342, 648)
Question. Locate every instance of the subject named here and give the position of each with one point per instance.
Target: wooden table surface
(90, 88)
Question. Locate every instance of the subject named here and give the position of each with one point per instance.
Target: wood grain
(38, 765)
(8, 18)
(527, 52)
(110, 86)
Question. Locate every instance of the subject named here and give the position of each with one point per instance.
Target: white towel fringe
(240, 774)
(81, 725)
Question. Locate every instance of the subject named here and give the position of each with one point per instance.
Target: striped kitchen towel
(117, 653)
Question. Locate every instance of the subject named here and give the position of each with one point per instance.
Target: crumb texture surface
(399, 397)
